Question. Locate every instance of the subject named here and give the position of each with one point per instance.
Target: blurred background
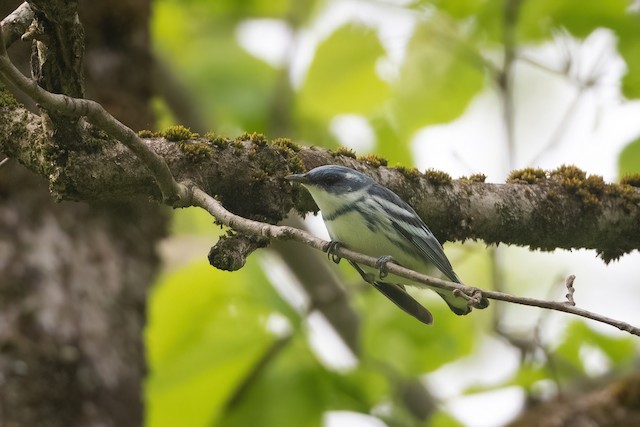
(462, 86)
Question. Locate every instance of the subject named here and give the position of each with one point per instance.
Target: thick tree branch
(559, 212)
(551, 212)
(203, 200)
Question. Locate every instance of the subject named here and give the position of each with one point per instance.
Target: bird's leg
(381, 264)
(331, 251)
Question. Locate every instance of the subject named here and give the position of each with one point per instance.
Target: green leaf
(629, 47)
(206, 332)
(537, 19)
(436, 83)
(390, 145)
(629, 159)
(443, 419)
(292, 391)
(360, 389)
(458, 9)
(342, 78)
(232, 88)
(193, 221)
(621, 351)
(412, 348)
(234, 10)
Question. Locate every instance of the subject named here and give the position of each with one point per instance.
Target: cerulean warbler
(366, 217)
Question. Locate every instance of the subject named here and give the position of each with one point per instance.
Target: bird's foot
(381, 265)
(474, 297)
(331, 251)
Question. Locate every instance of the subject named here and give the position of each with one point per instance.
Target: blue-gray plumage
(369, 218)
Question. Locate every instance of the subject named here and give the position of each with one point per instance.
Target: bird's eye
(330, 180)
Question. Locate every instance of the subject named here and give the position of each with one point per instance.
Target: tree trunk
(73, 276)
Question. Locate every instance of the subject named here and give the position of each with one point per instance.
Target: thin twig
(211, 205)
(583, 85)
(506, 77)
(563, 125)
(172, 192)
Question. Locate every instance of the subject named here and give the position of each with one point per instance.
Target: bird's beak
(298, 177)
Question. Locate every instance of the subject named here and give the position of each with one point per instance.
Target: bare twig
(563, 125)
(583, 84)
(172, 192)
(15, 25)
(203, 200)
(506, 77)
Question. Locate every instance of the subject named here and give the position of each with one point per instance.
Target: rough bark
(74, 276)
(565, 209)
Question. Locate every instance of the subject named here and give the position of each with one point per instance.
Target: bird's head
(332, 179)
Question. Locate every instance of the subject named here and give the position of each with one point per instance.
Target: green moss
(633, 180)
(244, 136)
(588, 188)
(287, 143)
(295, 165)
(96, 140)
(260, 176)
(178, 133)
(374, 160)
(346, 152)
(569, 176)
(217, 140)
(437, 177)
(238, 145)
(195, 152)
(275, 159)
(145, 133)
(411, 174)
(255, 138)
(478, 177)
(526, 176)
(258, 139)
(7, 100)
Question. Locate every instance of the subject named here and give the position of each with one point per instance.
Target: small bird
(367, 217)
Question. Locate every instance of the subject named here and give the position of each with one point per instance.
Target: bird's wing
(412, 228)
(428, 245)
(398, 296)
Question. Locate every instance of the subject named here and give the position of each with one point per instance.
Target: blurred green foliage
(629, 161)
(213, 358)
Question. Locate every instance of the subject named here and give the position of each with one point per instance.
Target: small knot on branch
(570, 290)
(231, 251)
